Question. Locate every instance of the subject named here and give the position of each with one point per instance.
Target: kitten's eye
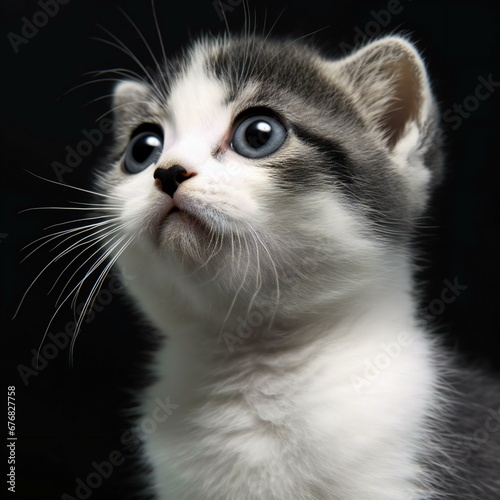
(143, 150)
(258, 136)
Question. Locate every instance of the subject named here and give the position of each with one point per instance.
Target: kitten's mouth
(178, 219)
(184, 223)
(180, 229)
(176, 211)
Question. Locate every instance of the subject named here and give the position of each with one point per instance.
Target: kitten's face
(253, 163)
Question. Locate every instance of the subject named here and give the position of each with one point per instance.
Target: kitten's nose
(170, 178)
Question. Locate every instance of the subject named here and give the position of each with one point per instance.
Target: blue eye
(143, 150)
(258, 136)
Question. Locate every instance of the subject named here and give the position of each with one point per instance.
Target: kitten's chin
(182, 232)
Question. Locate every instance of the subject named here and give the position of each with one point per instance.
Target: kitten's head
(262, 165)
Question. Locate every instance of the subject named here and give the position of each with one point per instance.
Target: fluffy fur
(279, 280)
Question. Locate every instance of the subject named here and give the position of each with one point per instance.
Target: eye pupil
(144, 147)
(258, 133)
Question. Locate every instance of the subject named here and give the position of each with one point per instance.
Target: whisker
(96, 208)
(119, 45)
(155, 17)
(76, 220)
(258, 279)
(118, 106)
(217, 246)
(103, 237)
(139, 32)
(95, 266)
(62, 208)
(257, 58)
(275, 274)
(245, 34)
(85, 238)
(124, 72)
(236, 294)
(91, 82)
(119, 70)
(60, 234)
(89, 244)
(127, 72)
(94, 292)
(35, 280)
(225, 18)
(98, 205)
(97, 99)
(214, 252)
(76, 188)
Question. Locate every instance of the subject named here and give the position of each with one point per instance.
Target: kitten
(268, 197)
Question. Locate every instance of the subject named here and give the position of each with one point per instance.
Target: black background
(68, 417)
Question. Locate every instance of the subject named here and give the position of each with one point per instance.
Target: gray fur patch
(290, 82)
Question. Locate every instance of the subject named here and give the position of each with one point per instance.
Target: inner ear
(389, 85)
(405, 102)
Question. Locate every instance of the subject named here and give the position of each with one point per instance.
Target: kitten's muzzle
(170, 178)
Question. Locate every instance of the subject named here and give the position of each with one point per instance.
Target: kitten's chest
(272, 433)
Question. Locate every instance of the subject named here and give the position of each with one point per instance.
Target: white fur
(275, 422)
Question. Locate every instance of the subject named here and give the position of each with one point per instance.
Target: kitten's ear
(128, 99)
(390, 85)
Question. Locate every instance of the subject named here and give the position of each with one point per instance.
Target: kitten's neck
(199, 354)
(201, 340)
(208, 315)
